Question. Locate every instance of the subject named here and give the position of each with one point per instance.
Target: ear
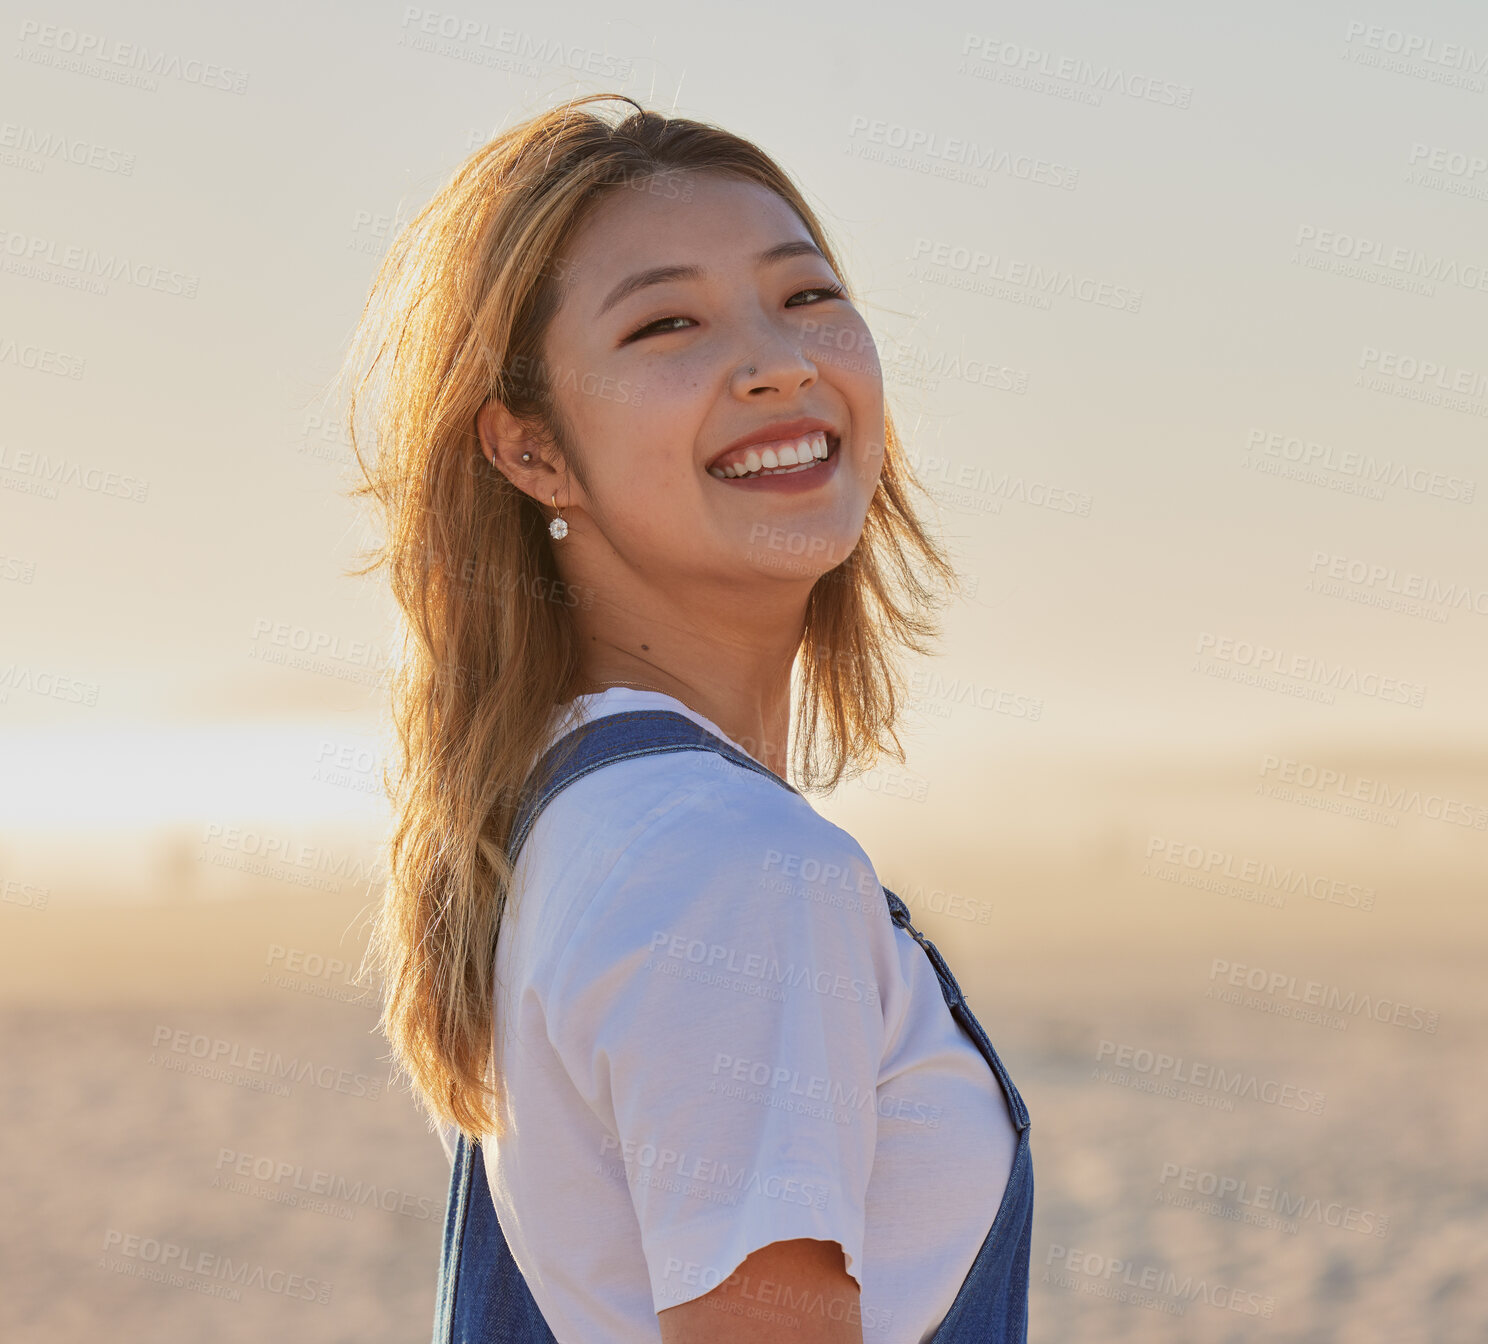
(503, 440)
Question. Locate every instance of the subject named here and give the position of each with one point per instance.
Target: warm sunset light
(1181, 316)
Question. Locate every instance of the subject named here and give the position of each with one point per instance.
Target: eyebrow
(660, 275)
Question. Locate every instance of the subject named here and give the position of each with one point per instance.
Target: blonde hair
(457, 315)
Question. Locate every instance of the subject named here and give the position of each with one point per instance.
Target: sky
(1181, 310)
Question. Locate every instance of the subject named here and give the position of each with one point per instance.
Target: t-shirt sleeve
(720, 1006)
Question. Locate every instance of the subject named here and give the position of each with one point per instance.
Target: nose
(777, 364)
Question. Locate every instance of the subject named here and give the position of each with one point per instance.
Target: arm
(789, 1292)
(700, 990)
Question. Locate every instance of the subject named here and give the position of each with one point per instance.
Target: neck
(736, 675)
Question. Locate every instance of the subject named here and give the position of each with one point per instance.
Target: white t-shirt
(712, 1037)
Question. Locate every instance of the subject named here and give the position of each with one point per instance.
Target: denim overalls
(481, 1295)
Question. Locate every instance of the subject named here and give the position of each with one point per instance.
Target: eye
(653, 326)
(831, 291)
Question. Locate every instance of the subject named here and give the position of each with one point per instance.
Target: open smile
(786, 457)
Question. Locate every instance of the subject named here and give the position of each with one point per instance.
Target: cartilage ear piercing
(526, 457)
(557, 529)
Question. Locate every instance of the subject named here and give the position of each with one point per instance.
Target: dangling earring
(557, 529)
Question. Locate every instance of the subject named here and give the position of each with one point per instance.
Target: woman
(708, 1083)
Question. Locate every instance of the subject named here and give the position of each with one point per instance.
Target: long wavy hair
(456, 316)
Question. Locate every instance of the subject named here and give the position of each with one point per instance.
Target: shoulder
(702, 819)
(701, 808)
(723, 863)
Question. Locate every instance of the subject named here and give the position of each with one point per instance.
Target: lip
(790, 482)
(773, 433)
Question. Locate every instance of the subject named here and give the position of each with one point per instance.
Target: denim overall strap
(992, 1304)
(482, 1297)
(960, 1010)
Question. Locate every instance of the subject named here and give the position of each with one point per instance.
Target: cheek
(846, 347)
(678, 377)
(642, 479)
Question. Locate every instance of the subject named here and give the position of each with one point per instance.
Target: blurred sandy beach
(143, 1114)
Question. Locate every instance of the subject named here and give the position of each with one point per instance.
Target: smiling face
(651, 373)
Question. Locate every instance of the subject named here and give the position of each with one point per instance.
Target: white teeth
(784, 457)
